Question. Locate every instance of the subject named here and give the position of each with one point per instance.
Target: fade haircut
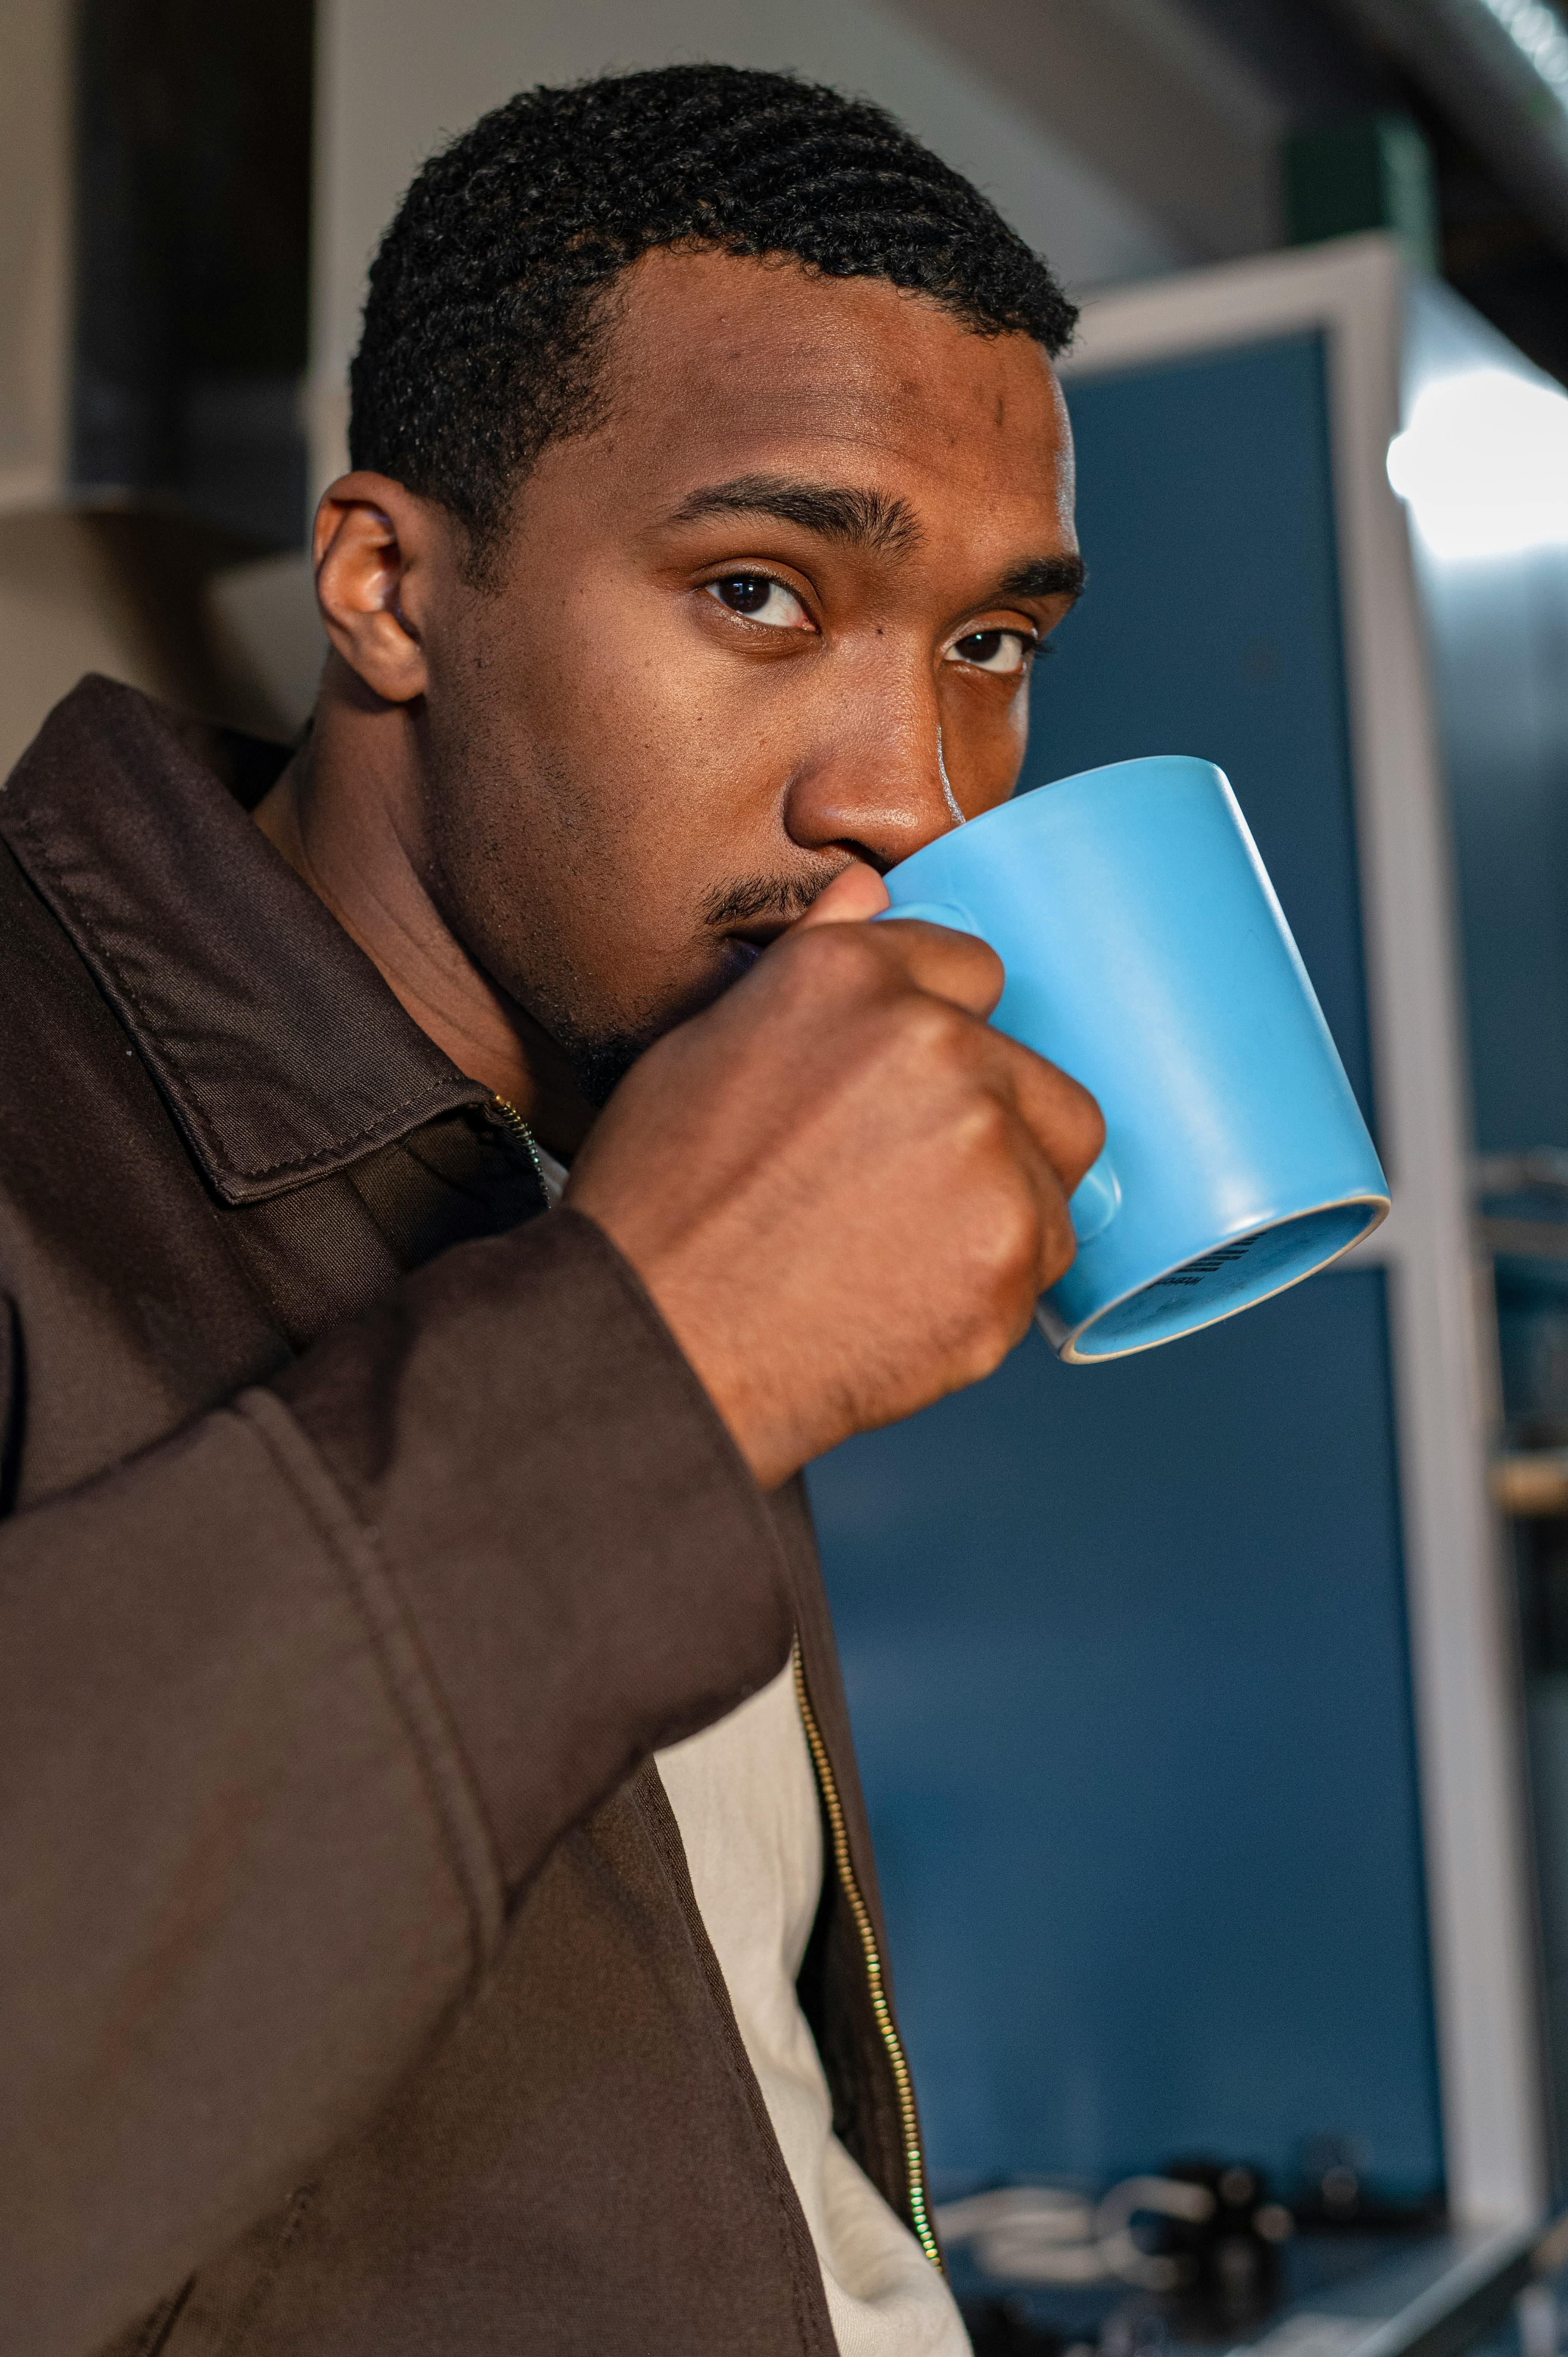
(489, 295)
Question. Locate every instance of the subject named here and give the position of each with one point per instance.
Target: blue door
(1126, 1645)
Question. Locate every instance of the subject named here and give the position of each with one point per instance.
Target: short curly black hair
(485, 310)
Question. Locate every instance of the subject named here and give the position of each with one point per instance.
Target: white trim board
(1461, 1627)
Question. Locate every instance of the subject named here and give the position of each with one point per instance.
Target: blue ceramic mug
(1147, 955)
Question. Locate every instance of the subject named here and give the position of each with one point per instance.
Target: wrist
(731, 1364)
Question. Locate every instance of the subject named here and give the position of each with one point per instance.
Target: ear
(376, 548)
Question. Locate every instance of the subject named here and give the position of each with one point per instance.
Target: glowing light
(1483, 466)
(1540, 36)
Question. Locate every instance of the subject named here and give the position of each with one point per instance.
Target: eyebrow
(863, 518)
(1046, 576)
(859, 519)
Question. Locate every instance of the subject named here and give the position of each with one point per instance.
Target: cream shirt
(745, 1796)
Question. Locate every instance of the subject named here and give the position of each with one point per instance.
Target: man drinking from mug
(440, 1916)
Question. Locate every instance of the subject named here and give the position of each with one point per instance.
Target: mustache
(759, 899)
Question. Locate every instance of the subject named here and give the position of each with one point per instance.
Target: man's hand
(841, 1189)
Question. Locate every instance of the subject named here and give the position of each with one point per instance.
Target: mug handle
(950, 913)
(1096, 1199)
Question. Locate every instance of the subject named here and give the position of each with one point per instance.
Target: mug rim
(1070, 1356)
(1032, 794)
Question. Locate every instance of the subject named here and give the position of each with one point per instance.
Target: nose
(874, 782)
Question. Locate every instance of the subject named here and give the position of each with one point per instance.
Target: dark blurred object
(1542, 1569)
(1533, 1338)
(1497, 253)
(1001, 2327)
(193, 128)
(1006, 2328)
(1494, 68)
(1135, 2328)
(1227, 2263)
(1334, 2197)
(1523, 1224)
(1325, 61)
(1370, 171)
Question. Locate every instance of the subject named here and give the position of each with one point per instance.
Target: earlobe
(371, 538)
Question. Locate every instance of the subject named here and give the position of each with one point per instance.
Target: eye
(761, 599)
(994, 651)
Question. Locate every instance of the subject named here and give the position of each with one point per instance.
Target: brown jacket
(361, 1538)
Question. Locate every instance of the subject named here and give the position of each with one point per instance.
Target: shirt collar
(281, 1051)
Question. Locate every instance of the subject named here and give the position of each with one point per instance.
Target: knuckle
(1091, 1123)
(1058, 1245)
(984, 1132)
(983, 1356)
(931, 1031)
(1007, 1242)
(989, 973)
(1069, 1122)
(1002, 1320)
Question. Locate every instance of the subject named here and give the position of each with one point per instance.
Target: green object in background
(1372, 172)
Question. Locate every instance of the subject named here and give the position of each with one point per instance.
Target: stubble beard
(526, 961)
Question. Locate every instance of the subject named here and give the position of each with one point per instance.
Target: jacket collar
(281, 1051)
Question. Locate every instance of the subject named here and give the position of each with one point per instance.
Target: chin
(600, 1059)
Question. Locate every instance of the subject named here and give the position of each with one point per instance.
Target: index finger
(1059, 1113)
(959, 967)
(951, 965)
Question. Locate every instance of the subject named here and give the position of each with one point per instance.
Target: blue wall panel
(1211, 626)
(1126, 1651)
(1126, 1645)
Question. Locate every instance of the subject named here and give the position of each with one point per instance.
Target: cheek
(688, 752)
(989, 743)
(593, 750)
(609, 769)
(576, 861)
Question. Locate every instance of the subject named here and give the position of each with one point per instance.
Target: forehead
(718, 367)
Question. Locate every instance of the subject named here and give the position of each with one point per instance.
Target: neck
(345, 815)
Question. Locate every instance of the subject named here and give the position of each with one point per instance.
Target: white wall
(1145, 92)
(35, 229)
(398, 77)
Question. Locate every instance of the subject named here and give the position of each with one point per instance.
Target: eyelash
(1032, 644)
(752, 573)
(1029, 642)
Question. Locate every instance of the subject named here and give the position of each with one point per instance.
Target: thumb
(857, 893)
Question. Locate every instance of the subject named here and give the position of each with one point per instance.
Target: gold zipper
(914, 2158)
(521, 1130)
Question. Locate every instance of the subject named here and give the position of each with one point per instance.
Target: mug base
(1234, 1275)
